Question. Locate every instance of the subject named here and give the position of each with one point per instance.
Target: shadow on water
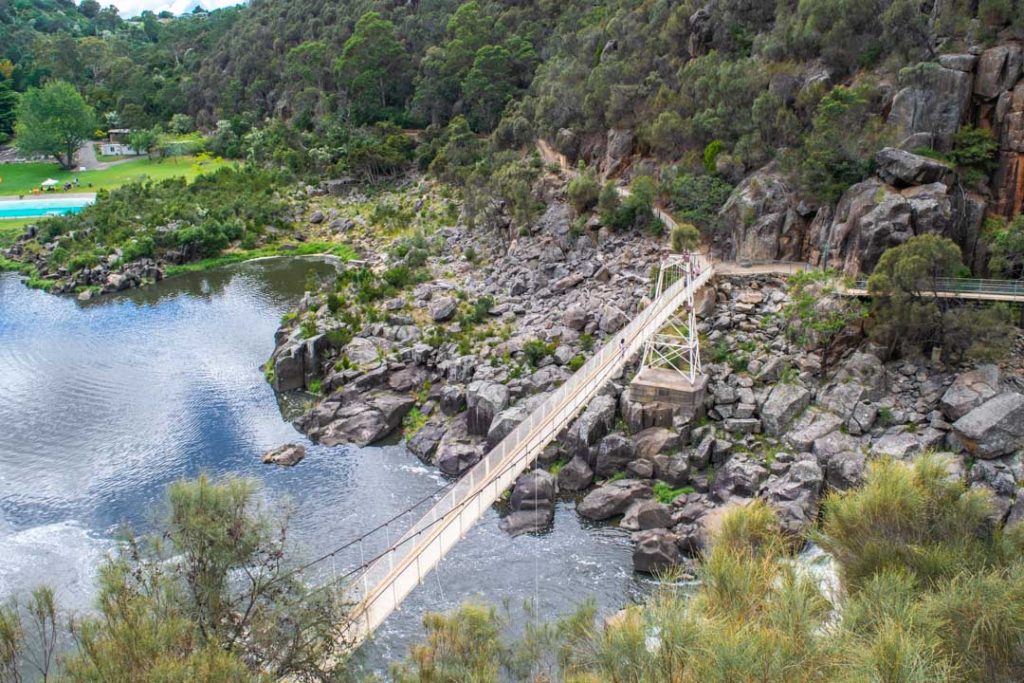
(106, 402)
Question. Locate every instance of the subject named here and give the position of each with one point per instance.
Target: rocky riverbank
(454, 338)
(462, 355)
(773, 427)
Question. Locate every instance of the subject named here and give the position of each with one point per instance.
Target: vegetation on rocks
(909, 317)
(929, 590)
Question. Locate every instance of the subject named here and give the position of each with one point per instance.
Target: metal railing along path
(389, 578)
(964, 288)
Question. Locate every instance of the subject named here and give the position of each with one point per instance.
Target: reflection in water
(104, 403)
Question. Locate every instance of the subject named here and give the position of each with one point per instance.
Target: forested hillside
(758, 121)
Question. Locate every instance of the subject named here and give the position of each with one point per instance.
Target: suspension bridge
(958, 288)
(377, 586)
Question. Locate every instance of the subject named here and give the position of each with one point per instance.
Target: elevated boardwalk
(377, 590)
(959, 288)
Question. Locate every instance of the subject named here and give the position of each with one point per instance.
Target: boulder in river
(287, 455)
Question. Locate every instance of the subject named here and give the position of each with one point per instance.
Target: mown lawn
(16, 179)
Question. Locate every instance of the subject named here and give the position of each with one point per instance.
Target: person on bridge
(622, 348)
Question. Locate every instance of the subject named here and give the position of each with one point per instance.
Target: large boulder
(537, 488)
(425, 441)
(613, 454)
(484, 400)
(595, 422)
(504, 423)
(656, 551)
(362, 352)
(870, 217)
(613, 319)
(532, 503)
(795, 495)
(443, 309)
(761, 217)
(811, 426)
(969, 390)
(903, 169)
(618, 147)
(287, 455)
(784, 405)
(845, 470)
(934, 102)
(576, 474)
(458, 450)
(359, 420)
(650, 514)
(674, 470)
(454, 459)
(654, 440)
(994, 428)
(612, 499)
(739, 477)
(289, 368)
(998, 70)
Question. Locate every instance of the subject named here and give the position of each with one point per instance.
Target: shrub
(684, 237)
(583, 191)
(481, 309)
(537, 350)
(576, 362)
(910, 518)
(666, 494)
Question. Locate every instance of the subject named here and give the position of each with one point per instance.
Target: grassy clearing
(18, 179)
(342, 251)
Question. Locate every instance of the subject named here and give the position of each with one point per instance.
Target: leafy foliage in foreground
(208, 597)
(932, 590)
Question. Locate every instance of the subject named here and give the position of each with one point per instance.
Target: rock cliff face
(765, 218)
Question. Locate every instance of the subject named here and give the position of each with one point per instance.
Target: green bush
(537, 350)
(583, 191)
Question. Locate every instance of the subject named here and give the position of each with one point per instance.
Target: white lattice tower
(676, 345)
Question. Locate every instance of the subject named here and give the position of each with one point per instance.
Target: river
(103, 403)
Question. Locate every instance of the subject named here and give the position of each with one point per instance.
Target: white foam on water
(63, 556)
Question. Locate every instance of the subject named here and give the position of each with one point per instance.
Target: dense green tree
(488, 86)
(838, 151)
(684, 237)
(817, 316)
(374, 69)
(1008, 249)
(583, 190)
(144, 141)
(8, 111)
(910, 318)
(54, 120)
(309, 64)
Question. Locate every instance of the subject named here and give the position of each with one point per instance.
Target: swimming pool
(29, 208)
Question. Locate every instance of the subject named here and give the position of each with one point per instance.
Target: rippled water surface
(103, 403)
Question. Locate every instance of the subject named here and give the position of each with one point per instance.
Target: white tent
(49, 182)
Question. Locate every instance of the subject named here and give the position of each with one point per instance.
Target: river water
(103, 403)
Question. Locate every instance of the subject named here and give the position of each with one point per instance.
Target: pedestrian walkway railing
(950, 285)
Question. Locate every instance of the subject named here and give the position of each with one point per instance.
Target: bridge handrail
(452, 515)
(966, 286)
